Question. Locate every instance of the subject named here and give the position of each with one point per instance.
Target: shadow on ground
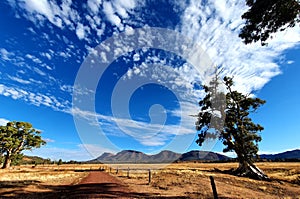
(97, 190)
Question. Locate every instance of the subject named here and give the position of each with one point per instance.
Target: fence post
(213, 186)
(117, 171)
(128, 172)
(149, 180)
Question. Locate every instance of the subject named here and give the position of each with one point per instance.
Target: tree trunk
(248, 169)
(7, 161)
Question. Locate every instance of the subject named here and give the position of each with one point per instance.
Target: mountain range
(131, 156)
(294, 154)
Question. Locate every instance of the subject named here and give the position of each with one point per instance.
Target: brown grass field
(186, 180)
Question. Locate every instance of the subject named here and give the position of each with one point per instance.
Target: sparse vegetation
(190, 180)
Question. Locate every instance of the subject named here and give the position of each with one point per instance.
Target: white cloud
(45, 8)
(38, 11)
(40, 6)
(95, 150)
(123, 7)
(49, 57)
(38, 71)
(156, 133)
(82, 152)
(33, 58)
(80, 32)
(36, 99)
(94, 5)
(110, 14)
(216, 25)
(48, 140)
(5, 55)
(64, 15)
(116, 11)
(21, 81)
(3, 121)
(152, 134)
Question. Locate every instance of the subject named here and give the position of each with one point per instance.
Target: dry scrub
(189, 180)
(192, 181)
(28, 179)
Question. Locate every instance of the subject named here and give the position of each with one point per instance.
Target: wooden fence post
(128, 172)
(149, 179)
(213, 186)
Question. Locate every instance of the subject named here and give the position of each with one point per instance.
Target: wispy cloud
(64, 16)
(215, 25)
(81, 152)
(3, 121)
(118, 11)
(5, 55)
(34, 98)
(147, 134)
(19, 80)
(48, 140)
(94, 6)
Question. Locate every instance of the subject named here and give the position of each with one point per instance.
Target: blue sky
(102, 76)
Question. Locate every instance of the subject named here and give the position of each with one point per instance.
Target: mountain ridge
(286, 155)
(166, 156)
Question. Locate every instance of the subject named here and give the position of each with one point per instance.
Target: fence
(132, 172)
(144, 173)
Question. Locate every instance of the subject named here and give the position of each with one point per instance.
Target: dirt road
(100, 185)
(97, 184)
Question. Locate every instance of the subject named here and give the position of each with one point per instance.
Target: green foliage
(268, 16)
(73, 162)
(16, 159)
(234, 126)
(16, 137)
(211, 104)
(60, 162)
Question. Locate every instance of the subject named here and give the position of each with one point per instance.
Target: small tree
(234, 126)
(60, 162)
(16, 137)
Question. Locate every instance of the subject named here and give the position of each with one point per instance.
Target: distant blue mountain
(294, 154)
(131, 156)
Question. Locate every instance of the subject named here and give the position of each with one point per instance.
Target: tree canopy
(265, 17)
(16, 137)
(227, 117)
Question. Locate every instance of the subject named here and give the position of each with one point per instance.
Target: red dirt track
(100, 185)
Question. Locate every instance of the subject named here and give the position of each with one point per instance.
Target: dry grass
(283, 171)
(189, 180)
(27, 179)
